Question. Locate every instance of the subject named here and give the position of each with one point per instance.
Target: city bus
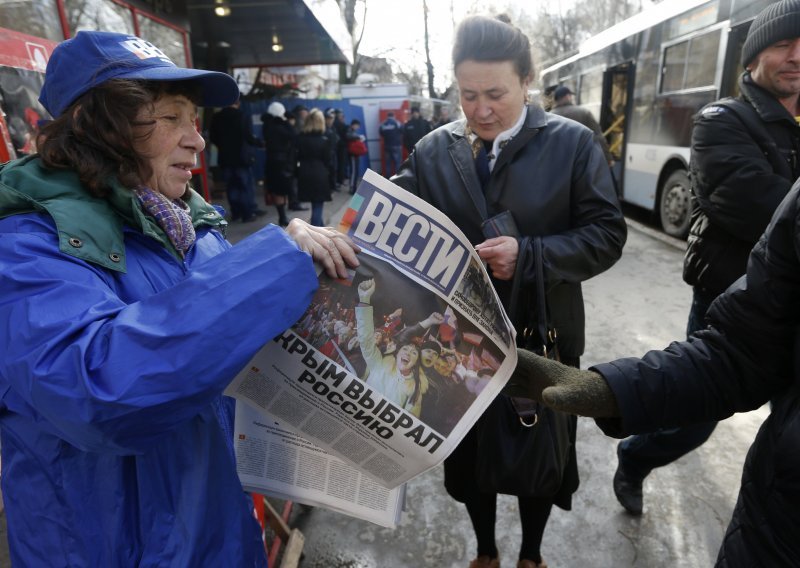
(644, 79)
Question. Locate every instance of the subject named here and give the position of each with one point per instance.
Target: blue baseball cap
(92, 58)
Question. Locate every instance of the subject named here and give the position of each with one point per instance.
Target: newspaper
(287, 466)
(389, 368)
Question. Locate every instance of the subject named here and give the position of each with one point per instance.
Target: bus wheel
(675, 206)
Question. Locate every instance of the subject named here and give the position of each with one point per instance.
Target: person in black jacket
(279, 141)
(230, 133)
(342, 156)
(333, 136)
(314, 163)
(744, 159)
(481, 167)
(564, 105)
(300, 113)
(747, 356)
(391, 132)
(414, 129)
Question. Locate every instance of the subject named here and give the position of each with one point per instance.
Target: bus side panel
(644, 165)
(667, 119)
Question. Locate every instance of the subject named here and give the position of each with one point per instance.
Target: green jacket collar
(89, 228)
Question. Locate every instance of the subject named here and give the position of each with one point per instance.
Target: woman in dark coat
(553, 178)
(279, 142)
(314, 158)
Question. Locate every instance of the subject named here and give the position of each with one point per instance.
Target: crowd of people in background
(304, 164)
(283, 132)
(310, 153)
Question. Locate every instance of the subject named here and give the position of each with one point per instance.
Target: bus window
(662, 66)
(693, 20)
(674, 67)
(33, 17)
(702, 61)
(591, 92)
(98, 15)
(690, 64)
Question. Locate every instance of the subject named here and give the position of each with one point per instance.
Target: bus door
(732, 66)
(615, 113)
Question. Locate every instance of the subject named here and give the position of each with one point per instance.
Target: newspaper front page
(389, 368)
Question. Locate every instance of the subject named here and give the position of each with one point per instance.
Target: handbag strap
(528, 410)
(541, 297)
(516, 282)
(540, 325)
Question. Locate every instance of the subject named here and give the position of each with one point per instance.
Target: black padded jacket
(744, 159)
(750, 354)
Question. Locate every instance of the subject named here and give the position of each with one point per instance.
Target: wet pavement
(640, 304)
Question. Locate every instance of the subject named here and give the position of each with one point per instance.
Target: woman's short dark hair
(481, 38)
(95, 136)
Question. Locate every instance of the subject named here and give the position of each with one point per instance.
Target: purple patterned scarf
(172, 216)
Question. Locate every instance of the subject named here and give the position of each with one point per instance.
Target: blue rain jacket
(114, 352)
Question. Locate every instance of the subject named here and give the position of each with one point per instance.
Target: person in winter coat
(279, 142)
(744, 159)
(748, 355)
(414, 129)
(480, 167)
(230, 133)
(125, 314)
(391, 132)
(333, 136)
(356, 149)
(315, 163)
(564, 105)
(342, 156)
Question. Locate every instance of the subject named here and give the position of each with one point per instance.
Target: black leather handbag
(524, 446)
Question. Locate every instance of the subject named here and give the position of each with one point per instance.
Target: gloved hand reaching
(563, 388)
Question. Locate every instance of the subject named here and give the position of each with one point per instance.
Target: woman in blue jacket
(125, 313)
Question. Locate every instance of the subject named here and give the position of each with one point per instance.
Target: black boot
(282, 219)
(628, 489)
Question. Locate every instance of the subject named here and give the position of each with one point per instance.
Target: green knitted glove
(563, 388)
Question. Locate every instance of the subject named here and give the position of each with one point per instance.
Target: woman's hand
(500, 253)
(332, 249)
(365, 290)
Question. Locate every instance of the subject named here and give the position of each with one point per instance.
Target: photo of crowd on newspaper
(476, 291)
(405, 342)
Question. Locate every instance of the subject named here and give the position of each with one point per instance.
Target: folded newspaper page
(389, 368)
(286, 466)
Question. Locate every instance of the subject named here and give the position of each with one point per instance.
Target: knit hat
(276, 109)
(776, 22)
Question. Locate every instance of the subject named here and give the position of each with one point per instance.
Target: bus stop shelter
(256, 33)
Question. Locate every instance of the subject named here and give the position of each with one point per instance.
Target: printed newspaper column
(387, 370)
